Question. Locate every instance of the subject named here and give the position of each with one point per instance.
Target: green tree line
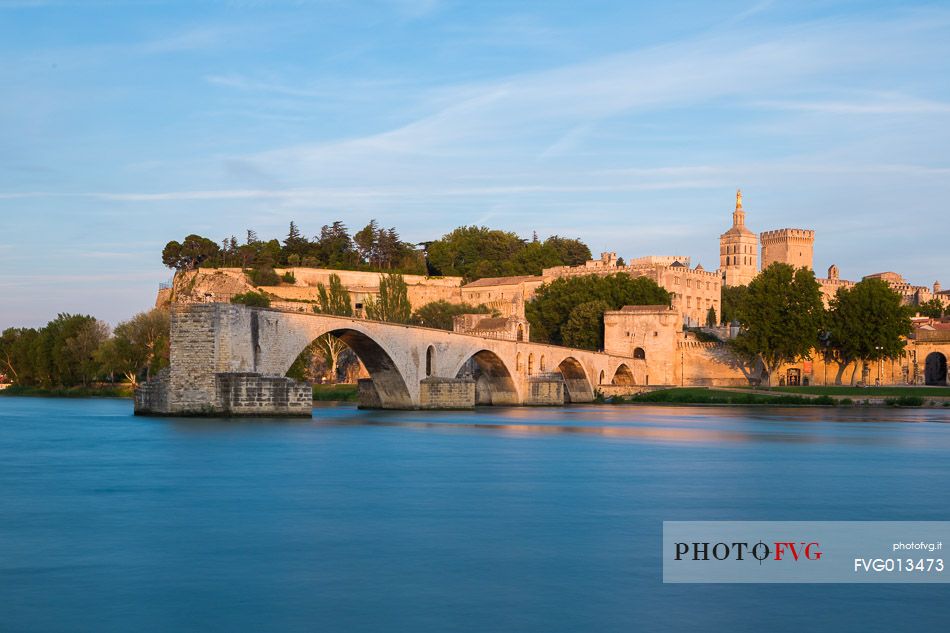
(782, 319)
(470, 252)
(78, 350)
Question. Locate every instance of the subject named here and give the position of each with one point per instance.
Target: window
(430, 358)
(689, 283)
(639, 353)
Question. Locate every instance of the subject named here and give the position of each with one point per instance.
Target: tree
(781, 317)
(294, 244)
(534, 257)
(149, 332)
(16, 362)
(585, 325)
(335, 299)
(711, 317)
(732, 297)
(553, 302)
(62, 354)
(570, 252)
(334, 248)
(473, 252)
(252, 299)
(366, 240)
(865, 323)
(440, 314)
(191, 253)
(393, 302)
(933, 308)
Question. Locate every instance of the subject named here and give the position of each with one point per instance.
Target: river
(494, 520)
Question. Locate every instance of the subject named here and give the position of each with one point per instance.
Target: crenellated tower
(738, 250)
(789, 246)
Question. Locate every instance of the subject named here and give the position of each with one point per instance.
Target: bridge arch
(577, 387)
(623, 376)
(494, 383)
(935, 369)
(388, 381)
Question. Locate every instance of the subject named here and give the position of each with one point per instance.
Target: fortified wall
(207, 285)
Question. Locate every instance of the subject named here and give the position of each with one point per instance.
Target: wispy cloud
(668, 178)
(897, 104)
(189, 39)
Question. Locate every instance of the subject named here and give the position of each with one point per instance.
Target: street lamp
(880, 366)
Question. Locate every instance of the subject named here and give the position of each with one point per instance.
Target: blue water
(496, 520)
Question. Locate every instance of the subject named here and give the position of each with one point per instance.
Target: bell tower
(738, 250)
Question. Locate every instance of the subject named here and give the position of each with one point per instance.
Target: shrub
(264, 276)
(288, 278)
(252, 299)
(905, 401)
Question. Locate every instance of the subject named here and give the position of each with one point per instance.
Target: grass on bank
(702, 395)
(869, 392)
(99, 391)
(338, 393)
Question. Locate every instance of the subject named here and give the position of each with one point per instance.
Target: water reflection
(662, 424)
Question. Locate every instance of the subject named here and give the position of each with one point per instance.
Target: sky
(124, 125)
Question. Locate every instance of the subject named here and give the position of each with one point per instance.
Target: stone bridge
(229, 359)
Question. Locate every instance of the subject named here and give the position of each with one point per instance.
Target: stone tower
(789, 246)
(738, 250)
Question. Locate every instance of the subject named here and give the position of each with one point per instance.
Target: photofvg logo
(741, 550)
(804, 551)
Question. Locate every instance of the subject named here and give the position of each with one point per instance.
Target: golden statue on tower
(738, 199)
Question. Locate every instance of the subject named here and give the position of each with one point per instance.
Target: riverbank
(321, 393)
(100, 391)
(733, 396)
(780, 396)
(334, 393)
